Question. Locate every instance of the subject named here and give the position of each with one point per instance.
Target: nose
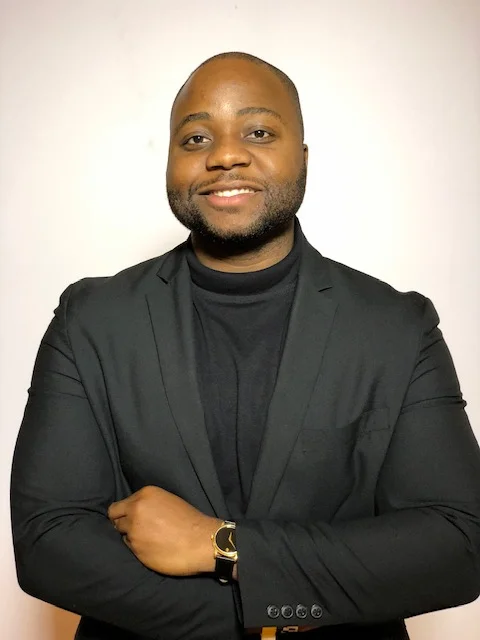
(228, 153)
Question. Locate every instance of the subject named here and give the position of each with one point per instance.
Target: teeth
(232, 192)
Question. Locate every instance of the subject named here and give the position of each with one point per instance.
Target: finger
(127, 542)
(117, 509)
(121, 525)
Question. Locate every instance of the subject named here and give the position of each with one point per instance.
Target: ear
(305, 154)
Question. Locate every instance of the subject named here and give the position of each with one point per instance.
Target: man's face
(237, 164)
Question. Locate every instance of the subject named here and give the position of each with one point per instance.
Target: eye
(196, 140)
(259, 134)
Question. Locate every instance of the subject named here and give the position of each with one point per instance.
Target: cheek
(182, 171)
(283, 169)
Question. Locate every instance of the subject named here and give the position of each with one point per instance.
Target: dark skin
(245, 124)
(166, 533)
(252, 131)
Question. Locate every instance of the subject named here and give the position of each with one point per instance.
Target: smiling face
(237, 164)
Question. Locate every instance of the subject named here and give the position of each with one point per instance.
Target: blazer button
(287, 611)
(316, 611)
(273, 611)
(301, 611)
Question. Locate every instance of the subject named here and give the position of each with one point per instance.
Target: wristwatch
(225, 551)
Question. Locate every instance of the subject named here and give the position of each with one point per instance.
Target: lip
(228, 186)
(225, 202)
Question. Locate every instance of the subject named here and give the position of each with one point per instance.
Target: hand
(166, 533)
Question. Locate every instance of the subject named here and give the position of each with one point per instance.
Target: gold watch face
(225, 541)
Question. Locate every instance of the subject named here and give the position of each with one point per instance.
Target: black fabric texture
(365, 500)
(240, 323)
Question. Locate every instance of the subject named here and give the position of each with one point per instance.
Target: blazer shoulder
(104, 293)
(366, 293)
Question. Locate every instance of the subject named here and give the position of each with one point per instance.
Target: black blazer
(365, 505)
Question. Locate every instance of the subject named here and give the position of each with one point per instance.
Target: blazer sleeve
(67, 552)
(419, 553)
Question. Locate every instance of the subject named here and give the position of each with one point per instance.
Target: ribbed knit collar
(248, 283)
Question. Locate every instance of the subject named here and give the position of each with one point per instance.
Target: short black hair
(238, 55)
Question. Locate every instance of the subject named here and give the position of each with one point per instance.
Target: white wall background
(391, 94)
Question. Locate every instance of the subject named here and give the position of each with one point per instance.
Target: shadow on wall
(64, 624)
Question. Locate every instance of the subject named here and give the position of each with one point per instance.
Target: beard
(281, 204)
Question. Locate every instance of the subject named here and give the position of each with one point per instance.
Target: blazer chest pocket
(339, 465)
(344, 437)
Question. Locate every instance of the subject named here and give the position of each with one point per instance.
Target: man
(242, 438)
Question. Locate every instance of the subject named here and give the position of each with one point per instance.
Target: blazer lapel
(310, 323)
(171, 313)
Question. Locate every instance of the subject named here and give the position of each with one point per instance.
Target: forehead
(223, 87)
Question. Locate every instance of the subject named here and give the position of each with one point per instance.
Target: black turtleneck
(240, 322)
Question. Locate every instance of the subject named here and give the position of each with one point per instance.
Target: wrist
(205, 559)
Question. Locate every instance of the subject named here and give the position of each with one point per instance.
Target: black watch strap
(224, 569)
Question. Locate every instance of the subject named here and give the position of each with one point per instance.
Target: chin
(231, 225)
(239, 238)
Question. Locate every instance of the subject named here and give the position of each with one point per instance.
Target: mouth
(232, 198)
(234, 195)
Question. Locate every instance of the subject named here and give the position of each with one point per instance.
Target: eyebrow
(255, 110)
(204, 115)
(200, 115)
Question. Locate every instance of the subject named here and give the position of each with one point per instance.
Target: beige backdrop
(391, 93)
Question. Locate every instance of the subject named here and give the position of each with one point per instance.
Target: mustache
(224, 177)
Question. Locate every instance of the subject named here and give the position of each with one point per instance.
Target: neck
(216, 257)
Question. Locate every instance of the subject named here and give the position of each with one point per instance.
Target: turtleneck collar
(248, 283)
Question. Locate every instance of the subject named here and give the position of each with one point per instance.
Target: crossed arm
(419, 554)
